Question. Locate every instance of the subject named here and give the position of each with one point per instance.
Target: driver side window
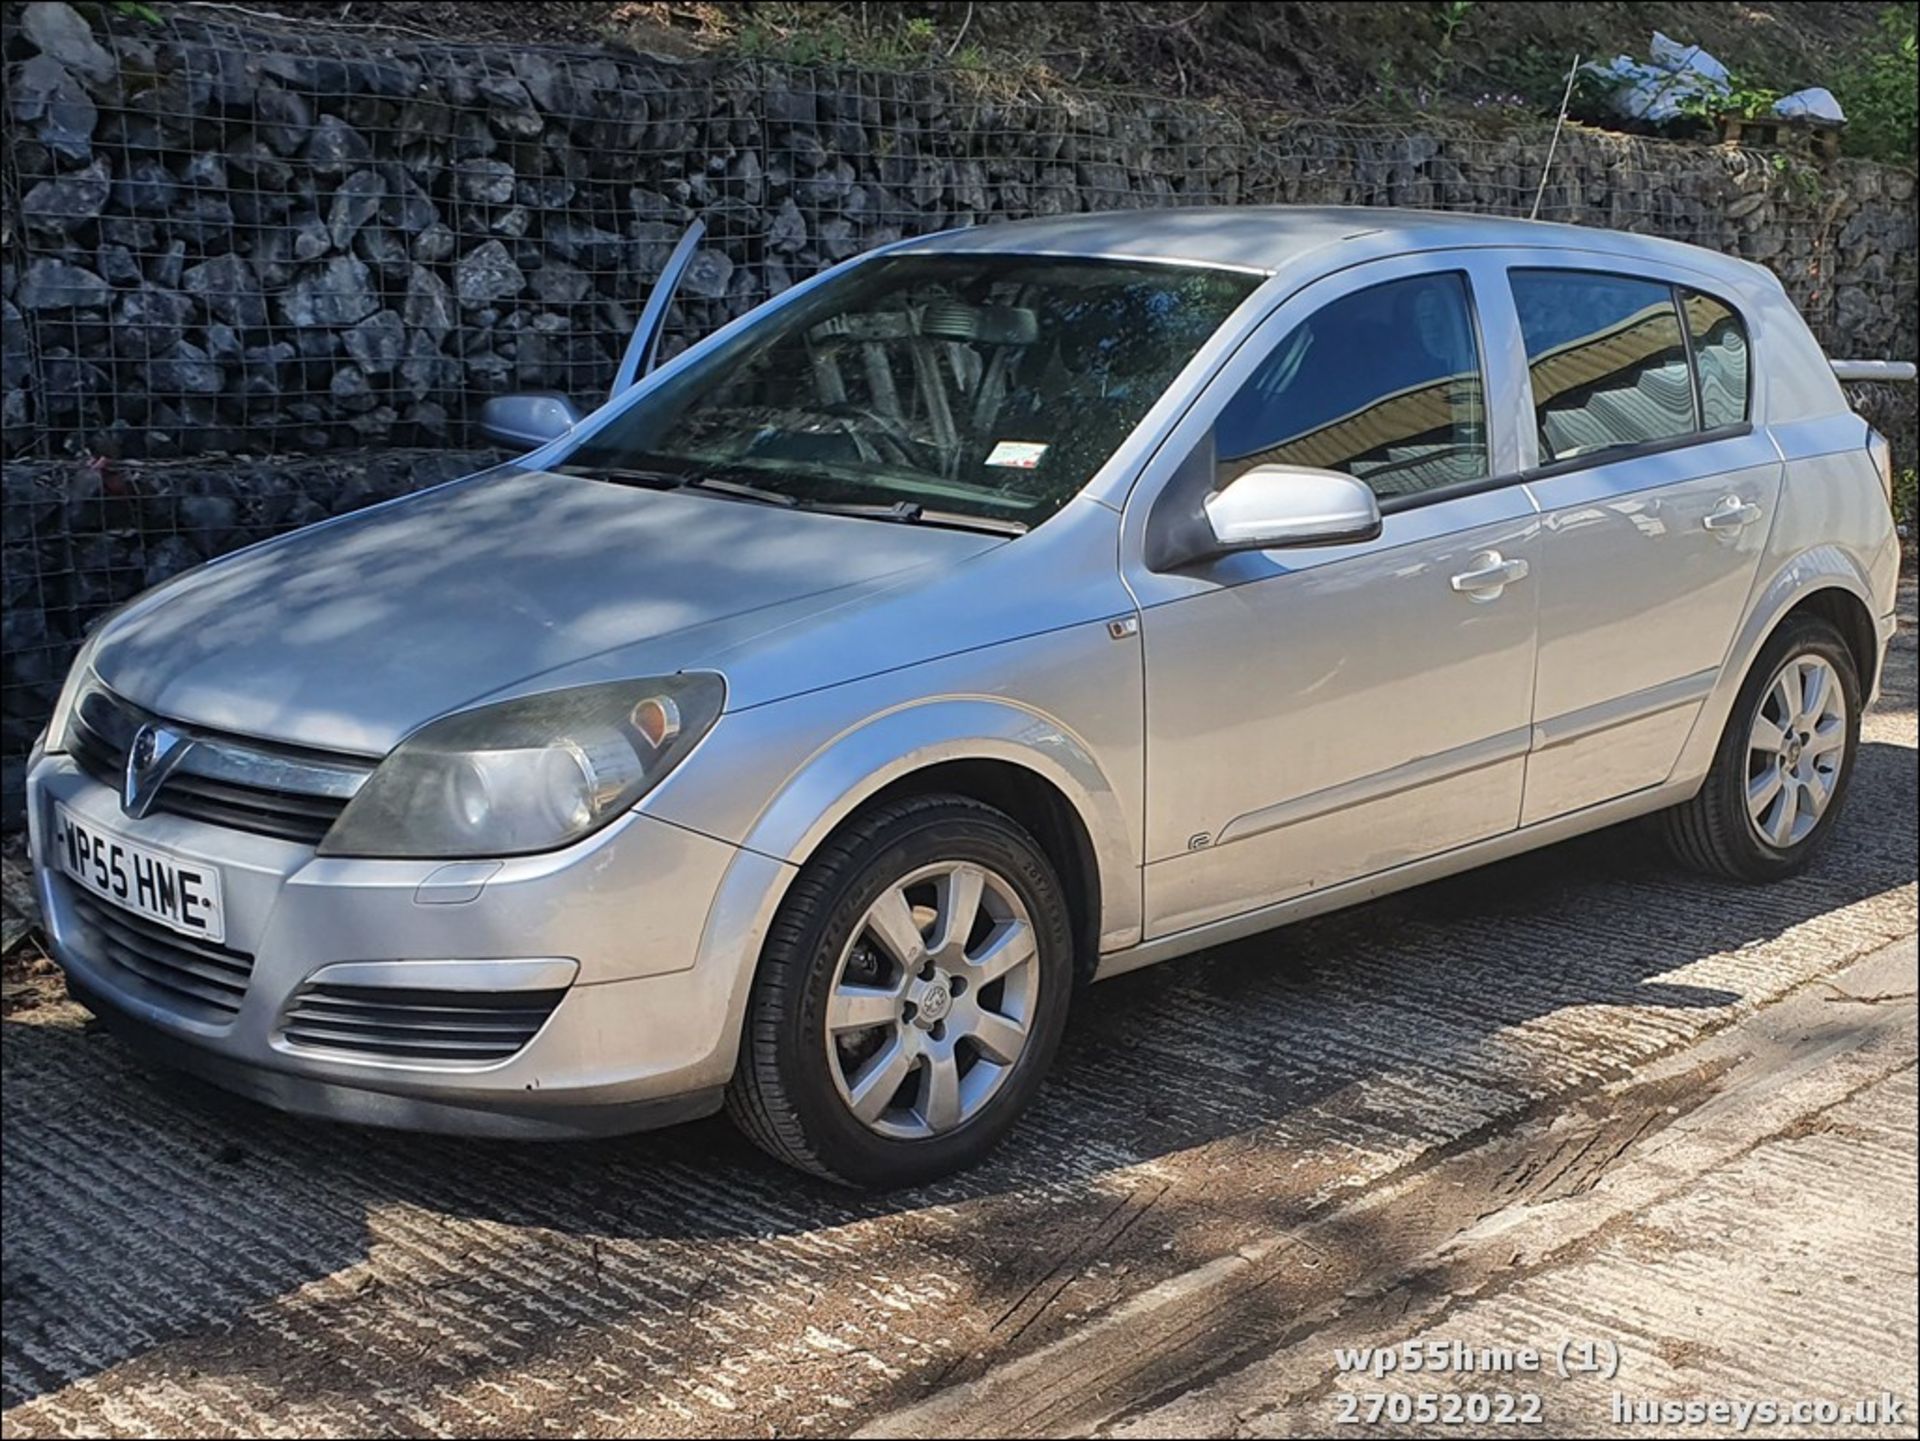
(1383, 384)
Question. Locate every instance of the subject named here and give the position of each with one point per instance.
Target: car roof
(1265, 238)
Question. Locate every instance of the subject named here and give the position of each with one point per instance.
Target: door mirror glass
(1281, 505)
(527, 421)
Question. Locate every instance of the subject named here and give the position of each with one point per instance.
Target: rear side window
(1607, 361)
(1383, 384)
(1720, 356)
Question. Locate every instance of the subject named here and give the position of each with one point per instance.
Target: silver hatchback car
(998, 611)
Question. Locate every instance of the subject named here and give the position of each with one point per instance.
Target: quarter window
(1383, 384)
(1720, 356)
(1606, 359)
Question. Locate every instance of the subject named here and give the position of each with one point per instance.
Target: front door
(1316, 715)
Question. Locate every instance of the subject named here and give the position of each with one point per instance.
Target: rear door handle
(1491, 574)
(1733, 514)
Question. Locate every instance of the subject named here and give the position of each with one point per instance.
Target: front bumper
(645, 1035)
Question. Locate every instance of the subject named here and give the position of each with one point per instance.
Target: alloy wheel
(1795, 750)
(932, 1001)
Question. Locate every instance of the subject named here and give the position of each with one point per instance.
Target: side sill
(1367, 888)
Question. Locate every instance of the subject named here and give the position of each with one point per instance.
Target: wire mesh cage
(294, 239)
(322, 251)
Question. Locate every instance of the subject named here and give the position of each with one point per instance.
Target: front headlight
(80, 678)
(526, 775)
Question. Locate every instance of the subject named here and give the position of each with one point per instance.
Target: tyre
(1780, 776)
(910, 996)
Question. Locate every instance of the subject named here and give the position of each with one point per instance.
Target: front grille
(424, 1025)
(102, 729)
(196, 978)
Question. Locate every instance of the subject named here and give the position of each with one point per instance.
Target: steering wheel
(894, 429)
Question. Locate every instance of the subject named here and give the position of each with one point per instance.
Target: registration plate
(180, 894)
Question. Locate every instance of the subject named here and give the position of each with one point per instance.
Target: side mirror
(527, 421)
(1281, 505)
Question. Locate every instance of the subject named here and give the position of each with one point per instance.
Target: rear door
(1656, 494)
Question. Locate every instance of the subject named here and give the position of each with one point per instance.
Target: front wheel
(910, 998)
(1781, 772)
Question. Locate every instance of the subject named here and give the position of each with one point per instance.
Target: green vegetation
(1451, 16)
(1743, 99)
(1873, 78)
(1906, 497)
(1699, 111)
(1877, 89)
(1875, 84)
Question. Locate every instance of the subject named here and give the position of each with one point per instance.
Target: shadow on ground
(140, 1206)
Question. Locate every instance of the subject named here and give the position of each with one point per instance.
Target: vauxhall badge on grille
(150, 759)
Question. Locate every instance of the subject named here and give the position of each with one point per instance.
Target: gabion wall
(228, 239)
(312, 256)
(84, 536)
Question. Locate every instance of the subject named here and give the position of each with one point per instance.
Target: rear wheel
(1780, 775)
(910, 998)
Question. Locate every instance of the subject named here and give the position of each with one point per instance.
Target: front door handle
(1491, 574)
(1733, 514)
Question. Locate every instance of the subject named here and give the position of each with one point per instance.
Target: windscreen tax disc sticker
(1017, 454)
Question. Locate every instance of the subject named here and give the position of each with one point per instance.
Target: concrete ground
(1734, 1223)
(1579, 1096)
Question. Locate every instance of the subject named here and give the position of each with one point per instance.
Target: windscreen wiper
(739, 490)
(905, 512)
(669, 480)
(623, 475)
(908, 512)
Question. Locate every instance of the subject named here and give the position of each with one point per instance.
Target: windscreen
(978, 385)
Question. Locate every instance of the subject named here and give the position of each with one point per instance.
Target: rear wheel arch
(1718, 829)
(1849, 615)
(1825, 581)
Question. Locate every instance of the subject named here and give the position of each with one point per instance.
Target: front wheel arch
(1014, 758)
(1036, 804)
